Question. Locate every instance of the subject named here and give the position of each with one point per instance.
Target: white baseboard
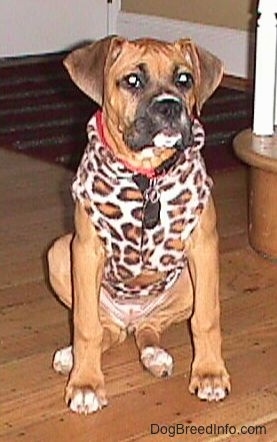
(232, 46)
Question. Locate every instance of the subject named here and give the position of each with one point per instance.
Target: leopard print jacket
(117, 211)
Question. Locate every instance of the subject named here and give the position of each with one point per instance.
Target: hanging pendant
(152, 208)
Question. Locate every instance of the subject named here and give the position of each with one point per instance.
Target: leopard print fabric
(117, 211)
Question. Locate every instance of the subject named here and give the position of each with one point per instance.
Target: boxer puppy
(144, 253)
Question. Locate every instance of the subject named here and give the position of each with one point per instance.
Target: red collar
(100, 123)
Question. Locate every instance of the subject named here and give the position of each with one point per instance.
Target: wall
(41, 26)
(235, 14)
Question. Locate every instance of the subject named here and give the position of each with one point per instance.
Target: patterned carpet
(44, 115)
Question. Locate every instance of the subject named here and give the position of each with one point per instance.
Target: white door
(44, 26)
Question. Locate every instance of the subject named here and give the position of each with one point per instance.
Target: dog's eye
(184, 80)
(133, 81)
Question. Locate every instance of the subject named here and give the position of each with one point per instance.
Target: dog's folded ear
(208, 70)
(86, 65)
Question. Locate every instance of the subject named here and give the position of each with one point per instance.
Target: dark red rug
(44, 115)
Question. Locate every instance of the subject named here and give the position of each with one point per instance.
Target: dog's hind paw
(85, 401)
(157, 361)
(63, 360)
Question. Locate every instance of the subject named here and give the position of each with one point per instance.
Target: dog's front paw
(63, 360)
(84, 400)
(210, 387)
(157, 361)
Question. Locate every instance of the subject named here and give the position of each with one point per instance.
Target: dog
(144, 253)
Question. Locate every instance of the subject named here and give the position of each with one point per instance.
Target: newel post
(265, 102)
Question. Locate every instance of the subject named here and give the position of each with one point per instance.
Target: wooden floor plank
(126, 375)
(33, 324)
(45, 417)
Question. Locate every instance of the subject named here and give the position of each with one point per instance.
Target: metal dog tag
(152, 208)
(152, 205)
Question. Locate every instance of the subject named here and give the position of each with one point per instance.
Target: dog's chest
(142, 227)
(118, 211)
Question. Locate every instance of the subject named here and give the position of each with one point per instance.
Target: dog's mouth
(164, 140)
(167, 138)
(164, 124)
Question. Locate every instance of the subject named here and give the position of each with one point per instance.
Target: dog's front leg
(85, 392)
(209, 377)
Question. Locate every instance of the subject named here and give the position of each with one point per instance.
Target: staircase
(257, 146)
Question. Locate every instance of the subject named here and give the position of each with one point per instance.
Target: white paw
(211, 394)
(157, 361)
(210, 387)
(63, 360)
(85, 401)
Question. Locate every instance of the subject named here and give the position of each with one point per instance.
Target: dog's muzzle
(167, 109)
(166, 106)
(164, 122)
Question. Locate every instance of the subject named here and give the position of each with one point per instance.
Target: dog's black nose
(168, 108)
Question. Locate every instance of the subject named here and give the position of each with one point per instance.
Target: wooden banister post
(275, 119)
(265, 75)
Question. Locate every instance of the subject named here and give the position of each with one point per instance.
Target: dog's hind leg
(59, 262)
(176, 308)
(153, 357)
(59, 265)
(112, 335)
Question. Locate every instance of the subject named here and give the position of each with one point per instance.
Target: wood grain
(35, 208)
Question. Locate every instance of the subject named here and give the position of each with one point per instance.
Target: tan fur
(76, 261)
(93, 75)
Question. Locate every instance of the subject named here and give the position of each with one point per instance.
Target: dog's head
(149, 92)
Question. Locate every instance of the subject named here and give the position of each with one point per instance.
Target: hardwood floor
(36, 207)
